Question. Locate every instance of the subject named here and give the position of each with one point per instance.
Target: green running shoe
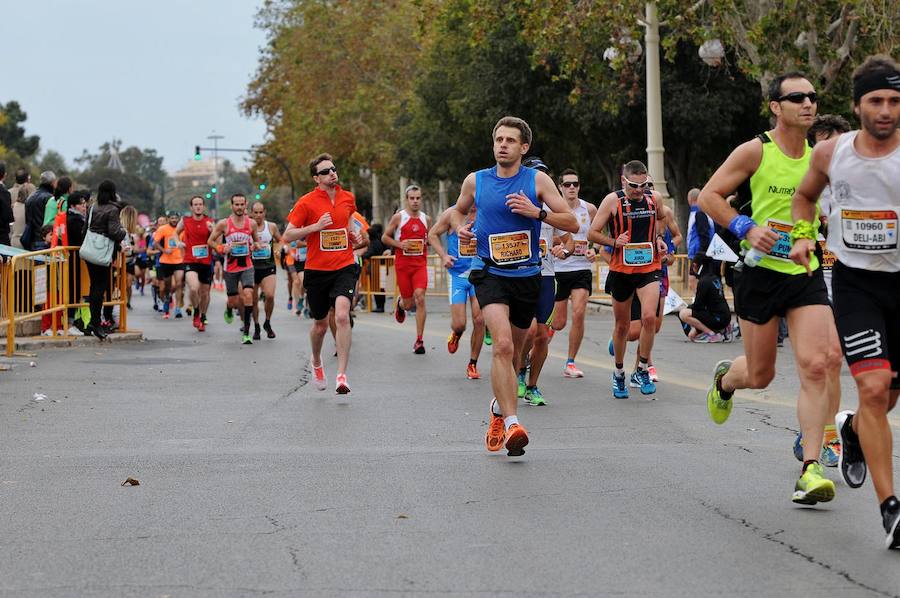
(533, 396)
(487, 337)
(719, 408)
(229, 316)
(521, 392)
(245, 338)
(813, 487)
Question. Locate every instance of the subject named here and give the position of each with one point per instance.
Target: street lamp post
(655, 149)
(215, 139)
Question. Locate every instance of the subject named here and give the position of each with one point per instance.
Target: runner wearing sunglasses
(765, 172)
(635, 234)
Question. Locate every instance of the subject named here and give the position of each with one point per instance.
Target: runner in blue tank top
(508, 198)
(459, 261)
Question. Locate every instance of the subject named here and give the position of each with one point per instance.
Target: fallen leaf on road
(401, 516)
(131, 482)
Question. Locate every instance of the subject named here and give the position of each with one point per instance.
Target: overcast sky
(161, 74)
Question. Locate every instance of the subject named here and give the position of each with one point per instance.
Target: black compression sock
(722, 392)
(248, 314)
(473, 362)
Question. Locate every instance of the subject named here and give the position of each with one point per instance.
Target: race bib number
(542, 243)
(262, 254)
(782, 248)
(240, 250)
(870, 231)
(414, 247)
(637, 254)
(828, 258)
(333, 239)
(469, 249)
(581, 247)
(300, 254)
(510, 248)
(200, 251)
(173, 242)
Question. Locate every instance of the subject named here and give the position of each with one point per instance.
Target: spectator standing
(6, 213)
(104, 220)
(21, 191)
(34, 209)
(60, 200)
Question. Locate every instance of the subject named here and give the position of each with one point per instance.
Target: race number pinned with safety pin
(200, 251)
(637, 254)
(414, 247)
(869, 231)
(469, 249)
(240, 249)
(581, 247)
(510, 248)
(333, 239)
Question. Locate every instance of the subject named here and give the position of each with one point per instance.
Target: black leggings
(100, 276)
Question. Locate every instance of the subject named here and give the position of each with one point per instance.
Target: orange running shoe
(516, 440)
(318, 375)
(453, 342)
(340, 385)
(496, 433)
(472, 372)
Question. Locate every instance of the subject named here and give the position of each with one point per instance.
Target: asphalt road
(254, 483)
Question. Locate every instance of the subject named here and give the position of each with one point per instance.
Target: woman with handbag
(98, 250)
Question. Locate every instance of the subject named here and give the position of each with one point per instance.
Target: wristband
(740, 225)
(803, 229)
(220, 248)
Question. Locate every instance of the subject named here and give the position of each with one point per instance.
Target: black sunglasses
(326, 171)
(797, 97)
(571, 184)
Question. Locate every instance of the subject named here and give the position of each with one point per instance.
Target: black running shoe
(852, 463)
(891, 520)
(256, 335)
(268, 328)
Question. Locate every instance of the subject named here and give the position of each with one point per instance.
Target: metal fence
(48, 285)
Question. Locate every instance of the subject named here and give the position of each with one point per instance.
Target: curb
(33, 343)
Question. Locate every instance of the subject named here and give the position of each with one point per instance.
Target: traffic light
(258, 196)
(196, 152)
(262, 187)
(209, 196)
(213, 190)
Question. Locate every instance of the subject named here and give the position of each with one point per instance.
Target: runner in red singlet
(194, 232)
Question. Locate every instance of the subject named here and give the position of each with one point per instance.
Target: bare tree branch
(812, 43)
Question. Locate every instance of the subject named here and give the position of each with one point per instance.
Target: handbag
(96, 248)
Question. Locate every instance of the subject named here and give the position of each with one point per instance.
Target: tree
(12, 135)
(333, 77)
(140, 182)
(52, 160)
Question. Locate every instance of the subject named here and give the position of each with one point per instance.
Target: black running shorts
(260, 274)
(323, 287)
(867, 314)
(566, 282)
(761, 294)
(203, 271)
(520, 293)
(622, 285)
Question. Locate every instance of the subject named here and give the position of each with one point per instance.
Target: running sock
(568, 361)
(495, 408)
(510, 421)
(523, 371)
(807, 464)
(888, 502)
(528, 387)
(830, 433)
(722, 392)
(248, 313)
(620, 369)
(473, 362)
(418, 338)
(642, 363)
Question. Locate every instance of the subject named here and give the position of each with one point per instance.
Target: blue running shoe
(647, 385)
(619, 390)
(798, 447)
(612, 350)
(634, 381)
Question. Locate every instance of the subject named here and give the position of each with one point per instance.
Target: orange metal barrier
(377, 278)
(49, 283)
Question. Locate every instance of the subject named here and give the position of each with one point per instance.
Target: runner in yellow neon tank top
(765, 172)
